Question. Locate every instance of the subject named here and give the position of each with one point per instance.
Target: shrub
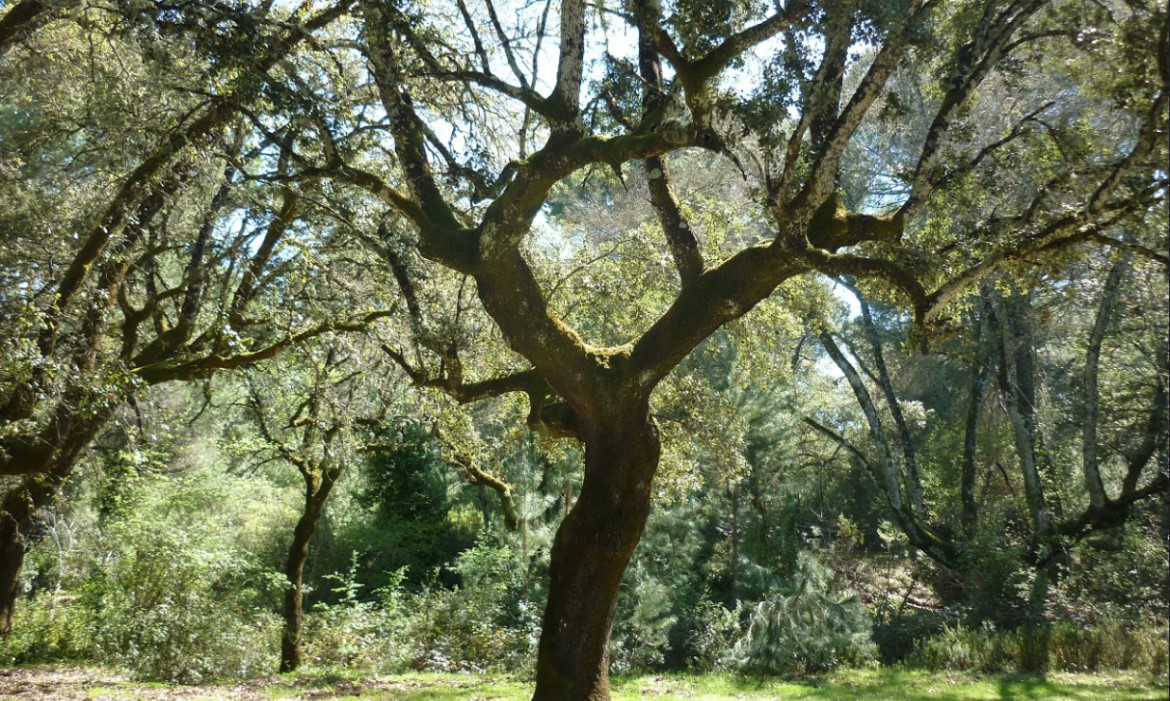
(898, 638)
(963, 649)
(713, 637)
(170, 609)
(1061, 647)
(48, 628)
(487, 624)
(641, 636)
(806, 631)
(357, 633)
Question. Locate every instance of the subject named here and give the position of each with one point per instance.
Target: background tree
(815, 93)
(168, 257)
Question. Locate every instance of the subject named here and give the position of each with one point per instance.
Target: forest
(575, 350)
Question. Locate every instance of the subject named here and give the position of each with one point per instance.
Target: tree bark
(1018, 402)
(18, 511)
(979, 379)
(11, 560)
(913, 481)
(291, 642)
(590, 553)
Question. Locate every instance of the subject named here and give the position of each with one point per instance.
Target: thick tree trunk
(590, 554)
(11, 560)
(17, 517)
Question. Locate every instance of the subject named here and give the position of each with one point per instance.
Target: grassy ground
(878, 685)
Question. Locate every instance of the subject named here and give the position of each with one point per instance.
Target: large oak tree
(453, 124)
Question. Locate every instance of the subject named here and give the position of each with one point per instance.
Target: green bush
(1057, 647)
(807, 630)
(355, 633)
(641, 636)
(170, 608)
(898, 638)
(713, 636)
(48, 628)
(490, 623)
(960, 648)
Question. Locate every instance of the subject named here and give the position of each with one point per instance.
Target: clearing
(872, 685)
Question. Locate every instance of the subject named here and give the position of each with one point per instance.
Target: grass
(857, 685)
(869, 685)
(903, 685)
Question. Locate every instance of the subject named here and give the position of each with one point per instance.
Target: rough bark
(18, 513)
(590, 553)
(25, 18)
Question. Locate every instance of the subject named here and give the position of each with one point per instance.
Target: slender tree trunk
(291, 650)
(980, 375)
(1018, 405)
(291, 642)
(913, 481)
(590, 554)
(1091, 466)
(734, 544)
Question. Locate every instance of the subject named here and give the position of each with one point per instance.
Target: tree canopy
(193, 188)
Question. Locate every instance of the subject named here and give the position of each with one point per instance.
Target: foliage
(354, 632)
(487, 624)
(806, 630)
(50, 629)
(712, 636)
(1064, 647)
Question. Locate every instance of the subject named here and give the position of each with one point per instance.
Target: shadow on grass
(892, 684)
(887, 684)
(1029, 687)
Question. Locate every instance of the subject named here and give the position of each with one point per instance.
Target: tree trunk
(1017, 387)
(11, 560)
(1091, 465)
(17, 517)
(590, 554)
(979, 379)
(291, 642)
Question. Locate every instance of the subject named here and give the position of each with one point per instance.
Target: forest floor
(873, 685)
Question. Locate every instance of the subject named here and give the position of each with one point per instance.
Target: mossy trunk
(590, 554)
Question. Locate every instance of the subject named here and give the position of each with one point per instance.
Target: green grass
(869, 685)
(859, 685)
(893, 684)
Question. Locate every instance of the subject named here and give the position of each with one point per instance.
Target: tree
(812, 93)
(460, 139)
(1006, 342)
(307, 424)
(185, 244)
(320, 412)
